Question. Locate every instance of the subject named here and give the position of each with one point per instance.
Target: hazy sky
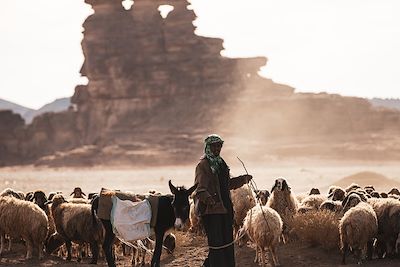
(351, 47)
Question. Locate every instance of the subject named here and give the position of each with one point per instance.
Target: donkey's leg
(2, 238)
(155, 261)
(107, 244)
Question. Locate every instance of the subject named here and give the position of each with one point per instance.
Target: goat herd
(367, 222)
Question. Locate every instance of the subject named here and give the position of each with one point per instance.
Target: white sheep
(242, 200)
(357, 229)
(284, 202)
(23, 219)
(263, 226)
(195, 221)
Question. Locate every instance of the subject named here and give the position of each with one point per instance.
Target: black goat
(173, 210)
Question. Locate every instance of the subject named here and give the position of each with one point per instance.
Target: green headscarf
(215, 161)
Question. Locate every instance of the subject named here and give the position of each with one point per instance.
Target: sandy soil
(192, 250)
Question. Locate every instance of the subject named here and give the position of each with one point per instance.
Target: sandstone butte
(156, 89)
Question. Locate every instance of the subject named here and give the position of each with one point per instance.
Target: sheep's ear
(273, 188)
(83, 194)
(191, 190)
(48, 202)
(31, 198)
(285, 185)
(71, 193)
(172, 188)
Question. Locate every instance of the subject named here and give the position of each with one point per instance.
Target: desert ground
(192, 249)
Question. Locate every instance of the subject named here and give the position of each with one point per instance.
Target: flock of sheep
(368, 222)
(48, 222)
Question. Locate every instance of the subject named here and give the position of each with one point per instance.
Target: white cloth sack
(130, 220)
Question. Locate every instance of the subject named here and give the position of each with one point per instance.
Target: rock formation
(153, 81)
(10, 133)
(156, 90)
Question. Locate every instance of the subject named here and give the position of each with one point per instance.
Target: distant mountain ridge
(29, 114)
(4, 105)
(393, 103)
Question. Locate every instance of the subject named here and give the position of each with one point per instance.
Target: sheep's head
(40, 199)
(369, 189)
(262, 196)
(52, 194)
(327, 205)
(56, 201)
(28, 196)
(337, 194)
(314, 191)
(10, 193)
(394, 191)
(351, 201)
(281, 185)
(375, 194)
(77, 193)
(384, 195)
(332, 188)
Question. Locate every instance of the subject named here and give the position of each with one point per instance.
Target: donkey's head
(181, 203)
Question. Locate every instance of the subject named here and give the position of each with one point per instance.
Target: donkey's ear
(172, 188)
(191, 190)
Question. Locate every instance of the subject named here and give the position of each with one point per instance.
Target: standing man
(213, 202)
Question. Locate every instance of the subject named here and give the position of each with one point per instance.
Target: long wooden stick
(243, 165)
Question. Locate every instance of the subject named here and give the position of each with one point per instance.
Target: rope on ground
(229, 244)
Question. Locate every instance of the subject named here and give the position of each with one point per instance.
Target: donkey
(173, 210)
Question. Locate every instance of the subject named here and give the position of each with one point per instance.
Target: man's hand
(247, 178)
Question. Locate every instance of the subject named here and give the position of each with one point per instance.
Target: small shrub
(318, 228)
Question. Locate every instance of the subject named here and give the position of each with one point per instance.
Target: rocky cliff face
(152, 80)
(156, 90)
(10, 133)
